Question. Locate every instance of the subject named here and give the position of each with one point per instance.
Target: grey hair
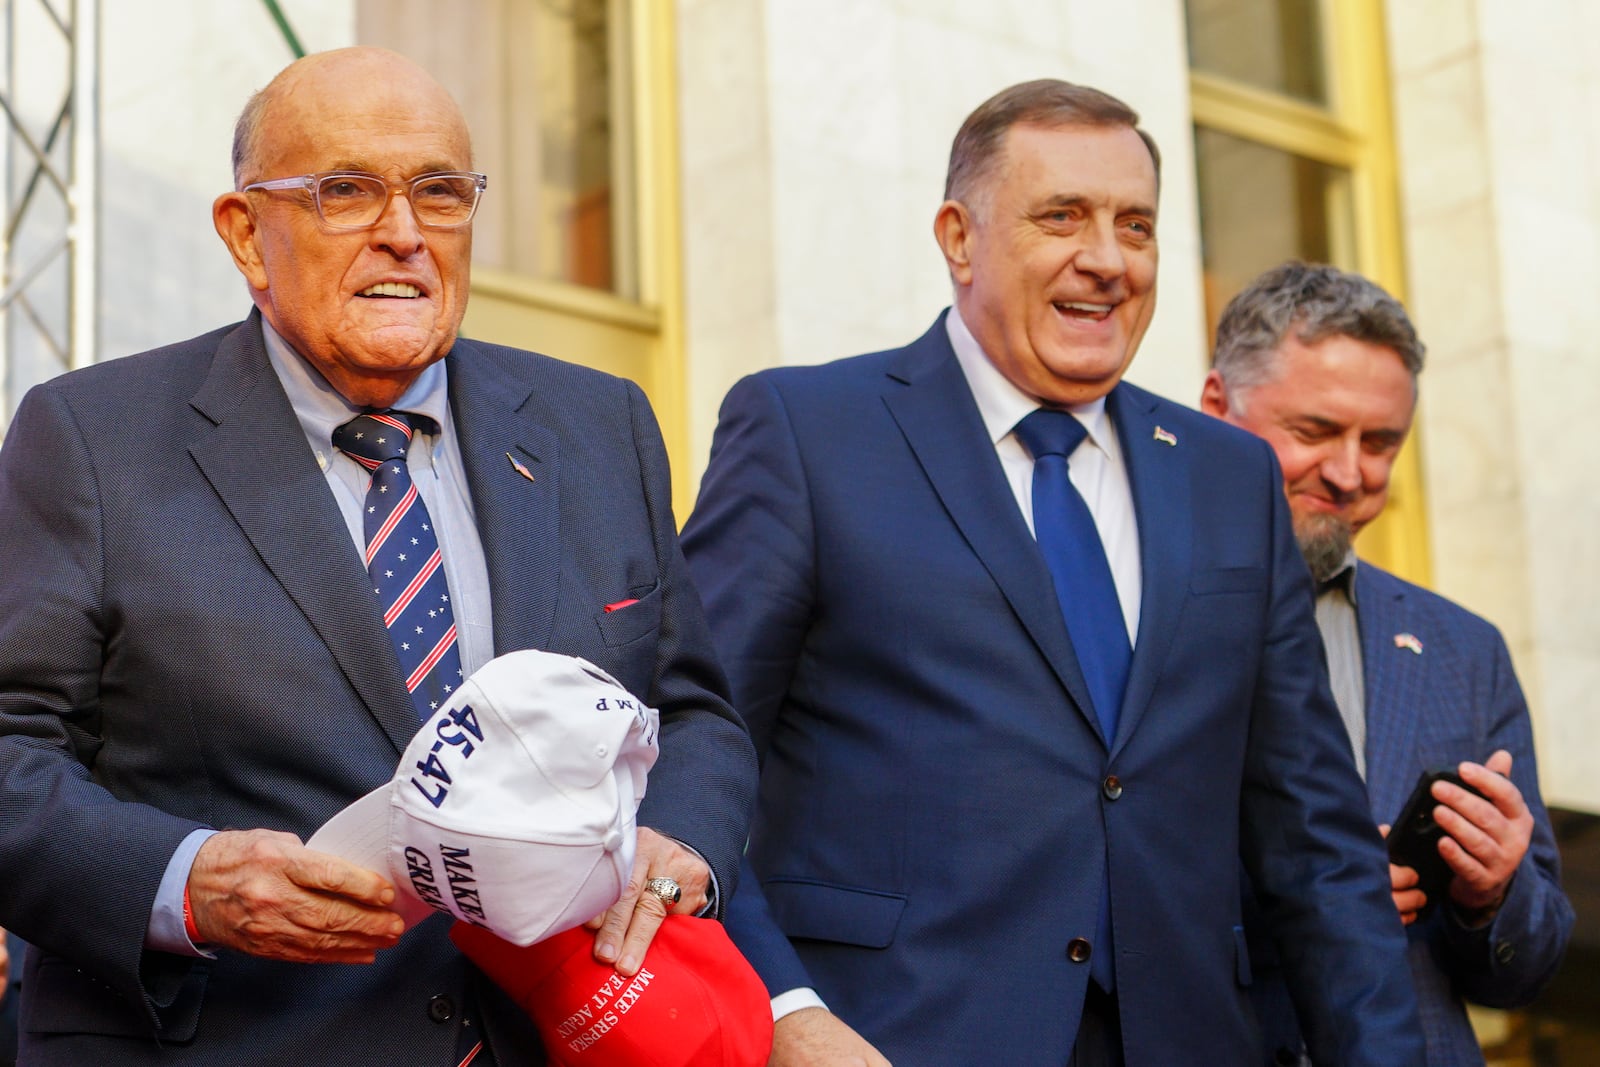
(1316, 302)
(247, 134)
(1047, 102)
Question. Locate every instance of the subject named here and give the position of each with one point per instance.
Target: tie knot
(1047, 432)
(376, 437)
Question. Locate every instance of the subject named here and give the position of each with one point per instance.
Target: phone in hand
(1414, 836)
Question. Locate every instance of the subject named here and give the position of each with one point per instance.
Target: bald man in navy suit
(194, 673)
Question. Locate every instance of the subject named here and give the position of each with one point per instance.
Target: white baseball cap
(513, 806)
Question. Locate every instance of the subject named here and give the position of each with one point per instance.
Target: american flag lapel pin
(519, 468)
(1166, 437)
(1408, 640)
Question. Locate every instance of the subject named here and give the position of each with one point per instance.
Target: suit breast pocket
(625, 623)
(1220, 580)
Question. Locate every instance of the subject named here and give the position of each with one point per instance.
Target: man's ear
(953, 228)
(236, 225)
(1214, 396)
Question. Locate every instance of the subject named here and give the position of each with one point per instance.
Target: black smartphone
(1414, 836)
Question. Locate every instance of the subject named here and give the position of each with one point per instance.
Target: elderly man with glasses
(240, 567)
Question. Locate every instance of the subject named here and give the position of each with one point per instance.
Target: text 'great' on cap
(513, 807)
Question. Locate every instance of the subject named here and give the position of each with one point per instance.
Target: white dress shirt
(1096, 467)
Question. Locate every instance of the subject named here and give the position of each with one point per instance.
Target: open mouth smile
(1078, 309)
(392, 289)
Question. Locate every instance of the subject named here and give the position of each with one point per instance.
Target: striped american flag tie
(403, 560)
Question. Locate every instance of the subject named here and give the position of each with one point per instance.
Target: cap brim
(360, 834)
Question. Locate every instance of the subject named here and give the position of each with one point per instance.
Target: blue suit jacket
(936, 806)
(178, 648)
(1456, 700)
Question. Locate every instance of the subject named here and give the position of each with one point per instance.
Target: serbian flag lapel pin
(1408, 641)
(1166, 437)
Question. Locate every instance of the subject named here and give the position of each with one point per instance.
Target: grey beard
(1324, 542)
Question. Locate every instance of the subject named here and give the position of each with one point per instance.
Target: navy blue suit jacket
(1457, 699)
(937, 805)
(186, 641)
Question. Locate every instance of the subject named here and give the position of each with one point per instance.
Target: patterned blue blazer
(1445, 695)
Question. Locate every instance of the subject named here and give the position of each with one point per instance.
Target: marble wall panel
(1440, 136)
(1500, 165)
(839, 259)
(1428, 33)
(722, 109)
(1453, 289)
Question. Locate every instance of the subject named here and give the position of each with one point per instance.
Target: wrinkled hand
(815, 1037)
(264, 893)
(1487, 838)
(1408, 899)
(628, 926)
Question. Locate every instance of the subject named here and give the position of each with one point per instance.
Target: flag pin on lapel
(1166, 437)
(519, 468)
(1408, 640)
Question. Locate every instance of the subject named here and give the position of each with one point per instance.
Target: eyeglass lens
(359, 200)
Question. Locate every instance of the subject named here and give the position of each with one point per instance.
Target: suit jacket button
(441, 1008)
(1504, 951)
(1111, 787)
(1078, 950)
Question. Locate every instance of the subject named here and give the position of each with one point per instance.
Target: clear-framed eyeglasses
(353, 200)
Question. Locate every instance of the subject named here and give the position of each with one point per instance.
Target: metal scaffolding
(50, 97)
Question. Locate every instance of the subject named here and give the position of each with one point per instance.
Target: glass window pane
(1274, 45)
(1260, 206)
(546, 103)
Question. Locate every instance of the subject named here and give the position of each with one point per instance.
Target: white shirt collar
(321, 408)
(1002, 405)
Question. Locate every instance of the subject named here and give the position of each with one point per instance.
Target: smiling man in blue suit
(195, 672)
(1323, 365)
(1029, 657)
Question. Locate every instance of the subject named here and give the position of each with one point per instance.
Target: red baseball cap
(696, 1002)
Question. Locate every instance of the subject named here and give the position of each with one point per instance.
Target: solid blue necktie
(403, 560)
(1072, 550)
(1070, 543)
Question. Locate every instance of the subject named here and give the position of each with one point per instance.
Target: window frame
(1356, 133)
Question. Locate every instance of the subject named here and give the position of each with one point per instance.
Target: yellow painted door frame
(640, 339)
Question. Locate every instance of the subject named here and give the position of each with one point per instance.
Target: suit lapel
(257, 461)
(930, 401)
(517, 518)
(1393, 687)
(1159, 478)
